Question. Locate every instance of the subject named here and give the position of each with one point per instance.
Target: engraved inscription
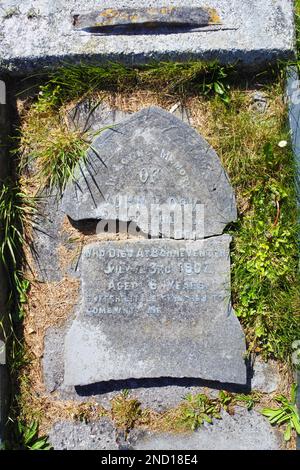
(155, 308)
(147, 277)
(163, 166)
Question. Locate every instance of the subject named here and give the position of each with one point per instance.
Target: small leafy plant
(199, 409)
(27, 437)
(229, 400)
(226, 401)
(285, 414)
(217, 85)
(247, 401)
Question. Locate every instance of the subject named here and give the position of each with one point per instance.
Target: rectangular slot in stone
(155, 309)
(147, 16)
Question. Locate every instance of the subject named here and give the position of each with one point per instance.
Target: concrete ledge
(38, 34)
(293, 97)
(3, 284)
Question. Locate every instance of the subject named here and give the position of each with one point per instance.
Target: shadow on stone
(149, 29)
(100, 388)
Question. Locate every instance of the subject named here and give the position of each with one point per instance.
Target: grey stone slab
(266, 376)
(158, 394)
(69, 435)
(47, 238)
(245, 430)
(155, 309)
(37, 34)
(53, 358)
(152, 158)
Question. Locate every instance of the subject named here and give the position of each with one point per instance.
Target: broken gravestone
(159, 307)
(146, 163)
(155, 309)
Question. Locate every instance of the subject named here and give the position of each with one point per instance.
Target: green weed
(73, 82)
(26, 437)
(229, 400)
(265, 279)
(285, 414)
(198, 409)
(16, 213)
(125, 411)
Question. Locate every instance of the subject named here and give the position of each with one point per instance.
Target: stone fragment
(47, 237)
(146, 167)
(53, 358)
(266, 376)
(245, 430)
(68, 435)
(155, 309)
(259, 102)
(2, 353)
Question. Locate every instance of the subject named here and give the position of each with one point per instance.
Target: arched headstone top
(151, 157)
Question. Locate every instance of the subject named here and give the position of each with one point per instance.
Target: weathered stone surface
(245, 430)
(47, 238)
(259, 102)
(155, 309)
(266, 376)
(40, 34)
(151, 158)
(158, 393)
(53, 358)
(99, 435)
(2, 353)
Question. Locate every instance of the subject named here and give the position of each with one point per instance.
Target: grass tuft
(72, 82)
(16, 212)
(51, 148)
(125, 411)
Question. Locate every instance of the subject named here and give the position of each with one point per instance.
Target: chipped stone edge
(254, 60)
(292, 94)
